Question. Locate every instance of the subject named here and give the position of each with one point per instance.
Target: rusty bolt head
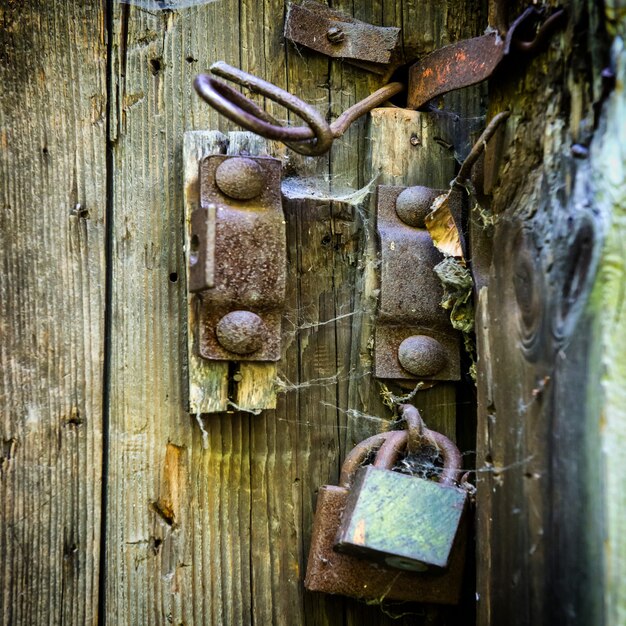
(414, 204)
(241, 332)
(335, 35)
(240, 178)
(422, 356)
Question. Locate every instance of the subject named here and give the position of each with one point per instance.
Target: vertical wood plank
(542, 488)
(172, 554)
(52, 255)
(208, 380)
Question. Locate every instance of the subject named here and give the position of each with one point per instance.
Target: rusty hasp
(237, 259)
(472, 61)
(413, 336)
(316, 26)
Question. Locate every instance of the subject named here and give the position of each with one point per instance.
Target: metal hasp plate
(414, 339)
(237, 259)
(455, 66)
(314, 25)
(471, 61)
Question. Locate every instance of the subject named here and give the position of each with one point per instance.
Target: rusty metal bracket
(316, 26)
(237, 259)
(471, 61)
(413, 336)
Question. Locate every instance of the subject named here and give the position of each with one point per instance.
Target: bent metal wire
(313, 139)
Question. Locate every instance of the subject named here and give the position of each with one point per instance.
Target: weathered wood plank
(541, 483)
(208, 380)
(170, 500)
(52, 299)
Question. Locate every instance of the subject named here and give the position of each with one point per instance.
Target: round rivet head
(241, 332)
(240, 178)
(414, 204)
(422, 356)
(335, 35)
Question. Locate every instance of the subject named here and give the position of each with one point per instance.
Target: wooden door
(117, 505)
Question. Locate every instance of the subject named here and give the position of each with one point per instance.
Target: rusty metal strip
(413, 337)
(316, 26)
(469, 62)
(453, 67)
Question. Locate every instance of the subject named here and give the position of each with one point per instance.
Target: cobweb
(166, 5)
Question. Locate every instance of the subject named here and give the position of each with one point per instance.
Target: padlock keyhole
(194, 249)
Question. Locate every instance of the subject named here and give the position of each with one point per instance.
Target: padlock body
(400, 520)
(328, 571)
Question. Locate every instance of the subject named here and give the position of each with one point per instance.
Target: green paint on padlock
(402, 521)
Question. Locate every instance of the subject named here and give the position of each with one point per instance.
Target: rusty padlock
(400, 520)
(329, 571)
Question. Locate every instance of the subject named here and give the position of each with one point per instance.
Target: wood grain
(165, 553)
(235, 550)
(209, 521)
(52, 299)
(543, 492)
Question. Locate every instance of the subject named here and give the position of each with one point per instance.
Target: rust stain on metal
(316, 26)
(202, 248)
(241, 332)
(422, 356)
(455, 66)
(471, 61)
(410, 292)
(239, 313)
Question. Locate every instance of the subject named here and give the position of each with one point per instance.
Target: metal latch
(413, 336)
(237, 259)
(452, 67)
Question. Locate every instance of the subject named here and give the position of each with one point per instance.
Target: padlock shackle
(391, 450)
(415, 425)
(392, 444)
(357, 455)
(419, 436)
(451, 457)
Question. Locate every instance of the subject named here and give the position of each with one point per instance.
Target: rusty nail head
(422, 356)
(240, 178)
(414, 204)
(335, 34)
(241, 332)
